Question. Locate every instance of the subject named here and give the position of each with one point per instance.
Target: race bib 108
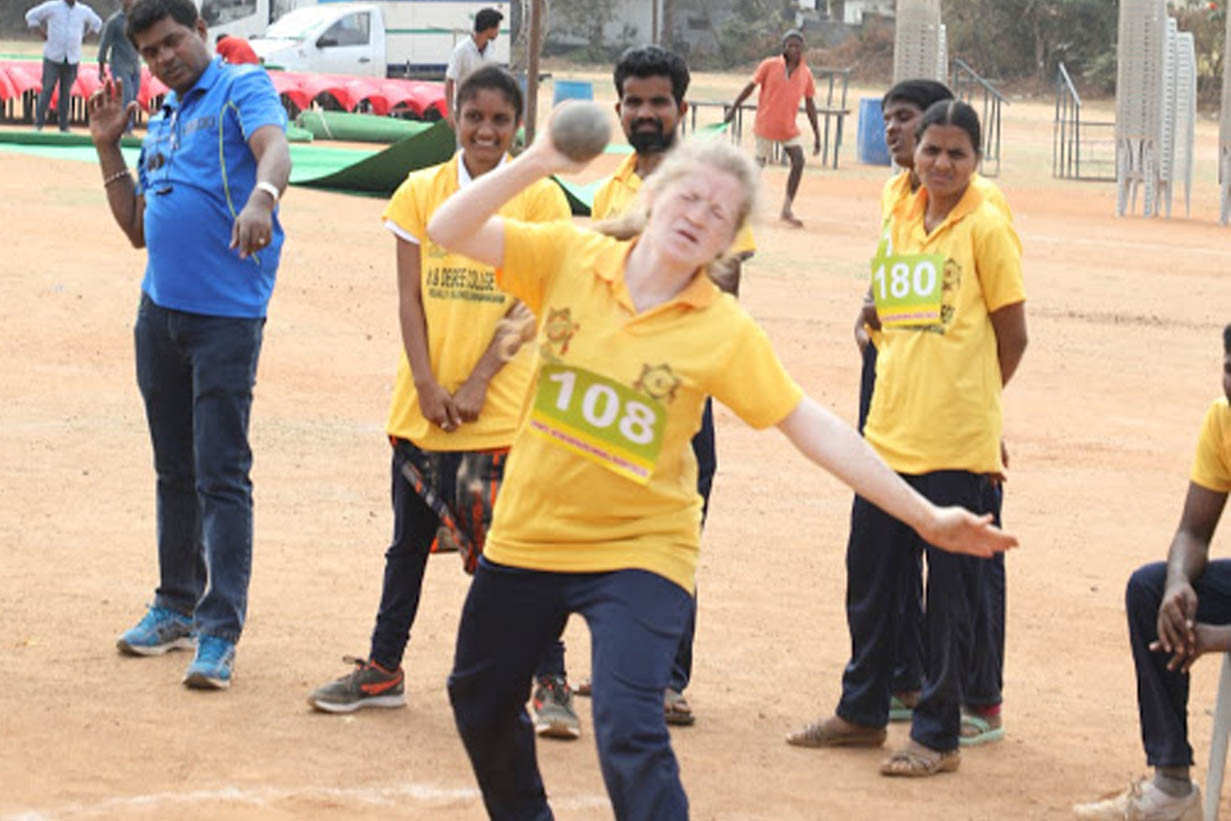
(908, 288)
(599, 419)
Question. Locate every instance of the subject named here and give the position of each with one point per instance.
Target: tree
(1017, 38)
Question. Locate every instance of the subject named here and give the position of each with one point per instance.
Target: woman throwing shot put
(599, 514)
(948, 289)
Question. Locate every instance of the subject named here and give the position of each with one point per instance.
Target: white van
(394, 38)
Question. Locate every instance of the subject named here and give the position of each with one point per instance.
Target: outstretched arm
(835, 446)
(466, 222)
(739, 100)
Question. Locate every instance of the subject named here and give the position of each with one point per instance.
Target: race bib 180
(599, 419)
(907, 288)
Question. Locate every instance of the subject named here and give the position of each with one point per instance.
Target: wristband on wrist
(269, 188)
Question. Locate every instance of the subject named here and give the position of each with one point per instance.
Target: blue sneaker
(211, 669)
(160, 631)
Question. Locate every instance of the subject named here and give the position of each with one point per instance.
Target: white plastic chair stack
(1166, 132)
(1141, 54)
(1218, 745)
(917, 41)
(1185, 131)
(942, 54)
(1224, 133)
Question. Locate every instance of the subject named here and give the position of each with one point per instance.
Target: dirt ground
(1125, 318)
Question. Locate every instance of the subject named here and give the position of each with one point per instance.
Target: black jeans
(1162, 694)
(882, 561)
(65, 73)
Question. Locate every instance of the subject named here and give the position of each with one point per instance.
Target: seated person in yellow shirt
(1178, 610)
(599, 514)
(456, 401)
(650, 84)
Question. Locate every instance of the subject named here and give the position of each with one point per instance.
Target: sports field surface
(1125, 320)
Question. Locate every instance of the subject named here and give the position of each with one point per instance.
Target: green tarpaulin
(359, 128)
(353, 170)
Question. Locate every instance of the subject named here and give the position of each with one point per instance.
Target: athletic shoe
(584, 688)
(1143, 801)
(554, 716)
(159, 631)
(368, 685)
(211, 669)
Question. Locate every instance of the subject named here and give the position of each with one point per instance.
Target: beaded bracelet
(114, 178)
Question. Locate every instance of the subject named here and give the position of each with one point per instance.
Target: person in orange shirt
(784, 80)
(235, 50)
(599, 513)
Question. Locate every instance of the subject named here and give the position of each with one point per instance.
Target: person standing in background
(116, 48)
(63, 24)
(235, 50)
(468, 55)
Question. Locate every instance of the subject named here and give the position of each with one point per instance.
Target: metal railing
(1073, 154)
(967, 85)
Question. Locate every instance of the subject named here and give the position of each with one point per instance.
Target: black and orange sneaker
(368, 685)
(554, 716)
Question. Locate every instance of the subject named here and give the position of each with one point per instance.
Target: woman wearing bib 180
(949, 295)
(599, 513)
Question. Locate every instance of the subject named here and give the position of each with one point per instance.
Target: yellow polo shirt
(614, 195)
(896, 193)
(937, 400)
(462, 306)
(601, 475)
(1212, 467)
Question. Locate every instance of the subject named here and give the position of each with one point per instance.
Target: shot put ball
(581, 131)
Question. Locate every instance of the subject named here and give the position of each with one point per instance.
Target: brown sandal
(677, 710)
(822, 734)
(917, 762)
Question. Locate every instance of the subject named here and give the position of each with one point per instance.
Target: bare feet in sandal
(836, 731)
(677, 709)
(915, 761)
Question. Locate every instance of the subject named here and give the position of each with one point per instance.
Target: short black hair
(1226, 340)
(486, 19)
(493, 78)
(652, 61)
(920, 93)
(145, 13)
(953, 112)
(220, 38)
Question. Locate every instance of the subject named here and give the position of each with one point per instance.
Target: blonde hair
(694, 155)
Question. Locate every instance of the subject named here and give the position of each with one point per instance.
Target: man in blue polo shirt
(212, 167)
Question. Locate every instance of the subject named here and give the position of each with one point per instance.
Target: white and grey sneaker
(1143, 801)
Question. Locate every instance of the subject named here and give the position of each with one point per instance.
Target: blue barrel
(572, 90)
(871, 139)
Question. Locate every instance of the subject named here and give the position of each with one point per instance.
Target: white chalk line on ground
(389, 796)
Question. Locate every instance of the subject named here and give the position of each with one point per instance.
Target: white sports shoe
(1143, 801)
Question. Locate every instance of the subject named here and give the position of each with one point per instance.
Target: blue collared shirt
(196, 172)
(65, 26)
